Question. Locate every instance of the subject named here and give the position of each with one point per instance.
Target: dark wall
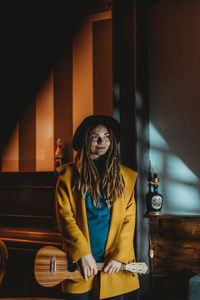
(142, 145)
(167, 86)
(174, 91)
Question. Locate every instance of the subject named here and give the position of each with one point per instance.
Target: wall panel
(102, 67)
(63, 103)
(27, 139)
(10, 154)
(44, 127)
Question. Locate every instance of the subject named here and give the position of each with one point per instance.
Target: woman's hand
(88, 265)
(113, 266)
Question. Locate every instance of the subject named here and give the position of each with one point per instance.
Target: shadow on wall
(179, 185)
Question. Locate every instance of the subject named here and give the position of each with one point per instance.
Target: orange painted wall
(82, 74)
(83, 69)
(82, 101)
(44, 127)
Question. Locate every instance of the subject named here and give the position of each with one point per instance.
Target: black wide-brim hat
(93, 121)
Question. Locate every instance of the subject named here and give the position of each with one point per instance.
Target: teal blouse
(98, 218)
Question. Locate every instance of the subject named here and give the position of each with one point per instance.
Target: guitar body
(50, 267)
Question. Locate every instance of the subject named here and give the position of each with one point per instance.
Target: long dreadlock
(111, 184)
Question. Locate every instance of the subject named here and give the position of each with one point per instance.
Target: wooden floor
(164, 296)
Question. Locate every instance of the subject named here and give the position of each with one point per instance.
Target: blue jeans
(87, 296)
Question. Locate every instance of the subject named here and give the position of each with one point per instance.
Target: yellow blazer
(72, 222)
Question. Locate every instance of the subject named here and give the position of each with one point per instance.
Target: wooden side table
(175, 253)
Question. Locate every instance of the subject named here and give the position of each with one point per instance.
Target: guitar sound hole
(71, 267)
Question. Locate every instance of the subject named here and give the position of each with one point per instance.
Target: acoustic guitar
(51, 267)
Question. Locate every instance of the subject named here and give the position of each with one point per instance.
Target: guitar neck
(101, 265)
(135, 267)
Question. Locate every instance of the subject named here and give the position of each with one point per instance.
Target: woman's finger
(95, 271)
(117, 269)
(89, 271)
(113, 266)
(108, 268)
(85, 274)
(111, 270)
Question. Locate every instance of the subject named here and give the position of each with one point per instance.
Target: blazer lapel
(82, 218)
(118, 211)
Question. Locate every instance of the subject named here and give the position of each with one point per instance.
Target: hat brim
(93, 121)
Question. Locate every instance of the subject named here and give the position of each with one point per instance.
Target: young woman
(96, 211)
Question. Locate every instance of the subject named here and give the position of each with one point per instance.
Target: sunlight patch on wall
(178, 184)
(182, 198)
(156, 139)
(177, 169)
